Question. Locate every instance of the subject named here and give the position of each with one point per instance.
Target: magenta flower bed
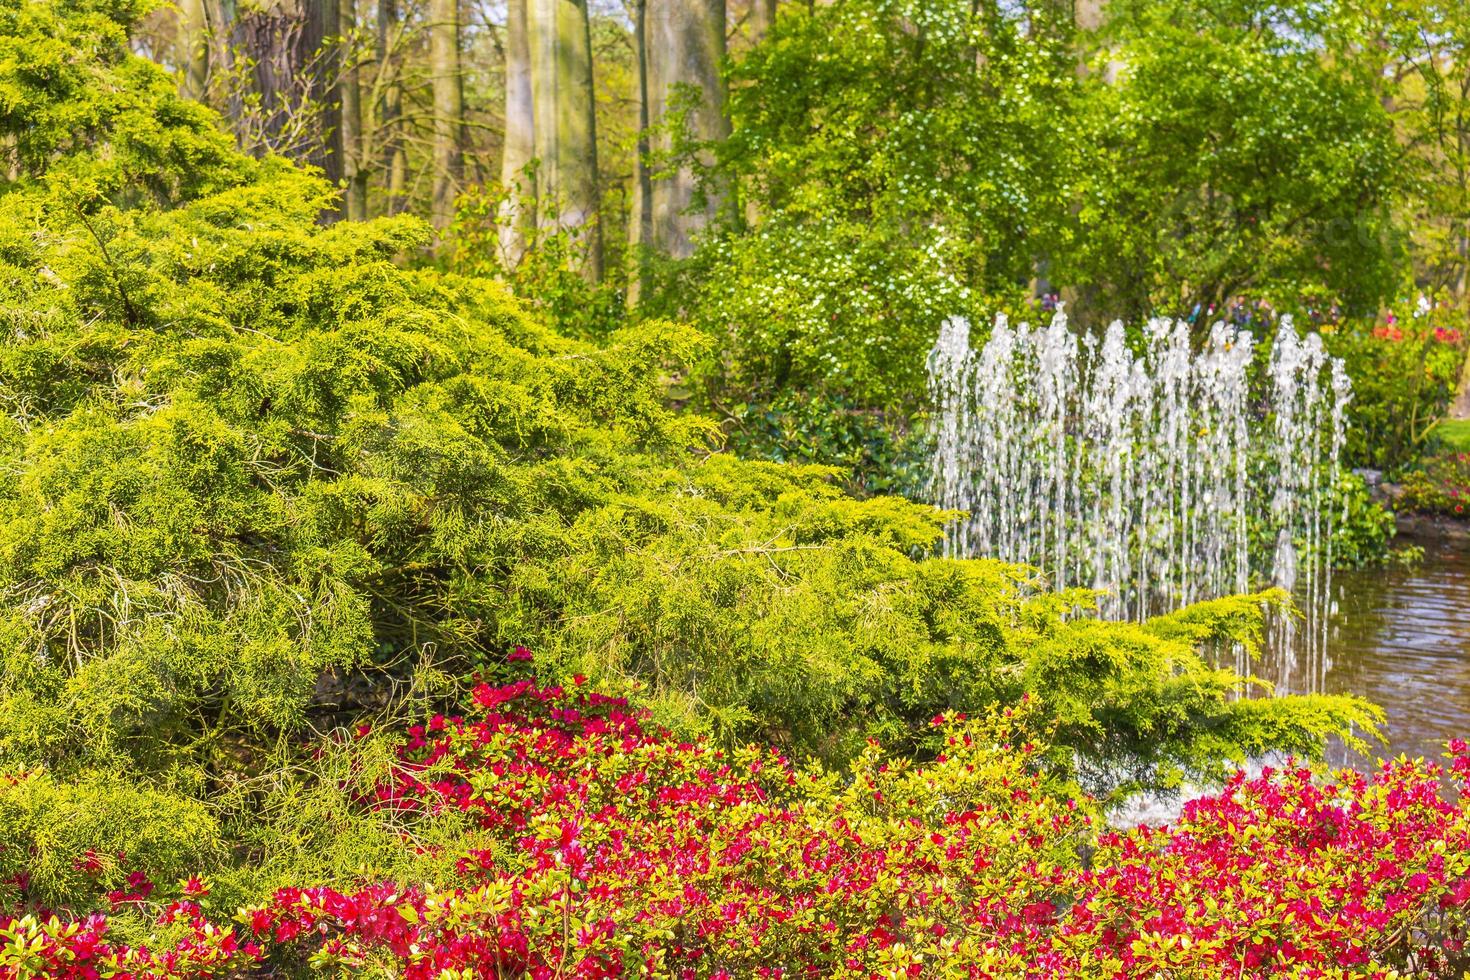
(608, 849)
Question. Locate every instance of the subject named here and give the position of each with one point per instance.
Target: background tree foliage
(1224, 156)
(900, 163)
(903, 162)
(818, 185)
(261, 476)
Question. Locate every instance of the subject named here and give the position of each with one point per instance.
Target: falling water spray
(1158, 477)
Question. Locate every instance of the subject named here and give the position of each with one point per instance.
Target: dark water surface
(1400, 637)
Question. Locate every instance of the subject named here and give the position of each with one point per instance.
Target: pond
(1400, 637)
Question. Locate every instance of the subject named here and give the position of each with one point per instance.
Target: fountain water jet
(1158, 478)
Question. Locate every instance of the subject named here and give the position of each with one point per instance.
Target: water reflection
(1401, 638)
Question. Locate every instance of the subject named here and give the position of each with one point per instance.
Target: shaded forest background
(818, 185)
(600, 109)
(409, 106)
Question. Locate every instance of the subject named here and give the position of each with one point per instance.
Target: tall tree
(565, 137)
(280, 62)
(388, 105)
(354, 166)
(319, 52)
(1299, 206)
(686, 50)
(518, 211)
(640, 220)
(194, 47)
(1089, 17)
(1418, 51)
(448, 87)
(762, 16)
(1088, 14)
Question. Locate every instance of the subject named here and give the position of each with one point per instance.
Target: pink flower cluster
(1448, 336)
(607, 849)
(1388, 333)
(82, 949)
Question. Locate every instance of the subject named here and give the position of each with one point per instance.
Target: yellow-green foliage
(257, 475)
(70, 843)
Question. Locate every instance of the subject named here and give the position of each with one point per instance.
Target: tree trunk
(1462, 282)
(565, 129)
(985, 19)
(640, 220)
(444, 66)
(321, 53)
(762, 16)
(686, 46)
(291, 53)
(354, 164)
(194, 48)
(390, 109)
(219, 18)
(1088, 14)
(517, 215)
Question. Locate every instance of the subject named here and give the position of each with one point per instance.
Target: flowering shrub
(1440, 485)
(1405, 370)
(609, 849)
(49, 946)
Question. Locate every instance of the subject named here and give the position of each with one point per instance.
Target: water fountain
(1157, 478)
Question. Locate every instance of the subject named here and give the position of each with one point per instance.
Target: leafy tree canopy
(902, 162)
(1223, 155)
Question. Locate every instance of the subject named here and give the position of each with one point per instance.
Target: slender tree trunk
(518, 212)
(686, 46)
(219, 18)
(1463, 281)
(194, 48)
(578, 116)
(354, 164)
(762, 16)
(1088, 14)
(397, 176)
(444, 65)
(990, 17)
(390, 111)
(321, 52)
(565, 124)
(1461, 150)
(220, 32)
(640, 221)
(1462, 169)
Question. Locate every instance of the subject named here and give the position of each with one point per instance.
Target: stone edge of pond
(1426, 528)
